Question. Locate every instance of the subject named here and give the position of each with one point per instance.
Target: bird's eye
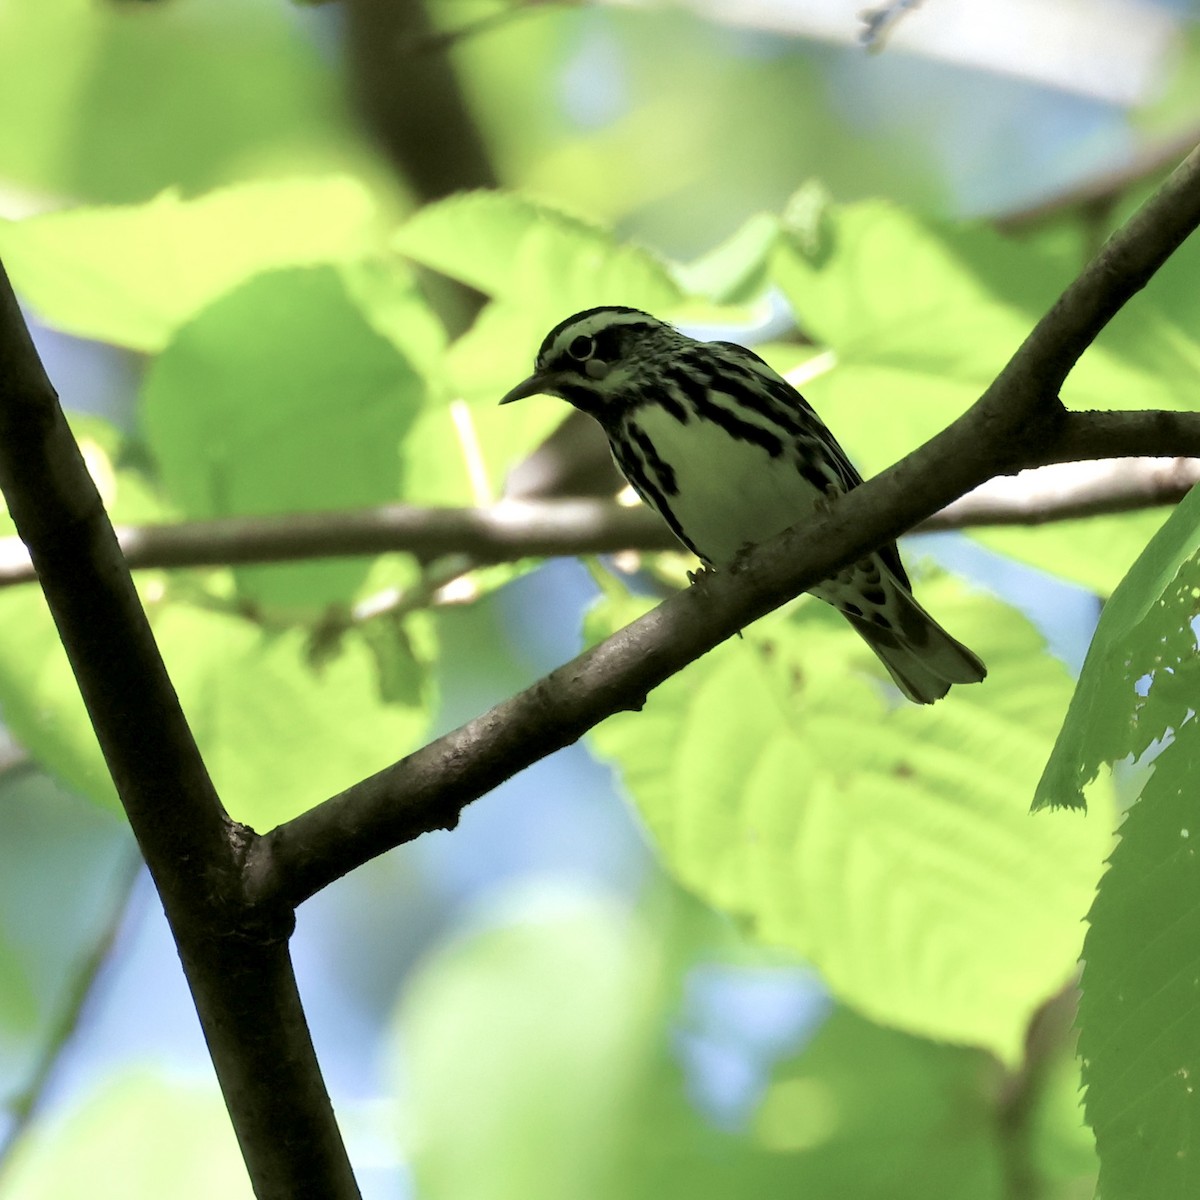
(582, 348)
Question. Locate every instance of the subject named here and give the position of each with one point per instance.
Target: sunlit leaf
(80, 73)
(133, 275)
(889, 845)
(280, 727)
(737, 268)
(1138, 680)
(508, 245)
(279, 397)
(1141, 990)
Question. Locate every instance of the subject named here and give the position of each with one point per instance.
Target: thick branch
(1017, 421)
(235, 955)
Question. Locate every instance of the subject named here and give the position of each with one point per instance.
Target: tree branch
(234, 953)
(1017, 422)
(516, 529)
(1070, 491)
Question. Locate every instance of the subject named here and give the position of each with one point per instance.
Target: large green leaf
(540, 264)
(509, 245)
(897, 296)
(1139, 677)
(902, 294)
(279, 732)
(736, 270)
(891, 846)
(1139, 1018)
(282, 721)
(39, 700)
(133, 275)
(280, 397)
(234, 89)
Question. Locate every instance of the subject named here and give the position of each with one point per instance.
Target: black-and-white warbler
(730, 454)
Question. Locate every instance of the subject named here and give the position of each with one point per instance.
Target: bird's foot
(823, 504)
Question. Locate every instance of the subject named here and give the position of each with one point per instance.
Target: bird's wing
(845, 470)
(783, 392)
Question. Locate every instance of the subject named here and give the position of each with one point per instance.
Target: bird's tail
(921, 657)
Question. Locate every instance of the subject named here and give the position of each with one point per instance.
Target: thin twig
(879, 22)
(516, 529)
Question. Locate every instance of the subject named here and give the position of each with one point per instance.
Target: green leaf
(893, 290)
(1095, 552)
(1134, 687)
(39, 699)
(278, 732)
(897, 294)
(541, 265)
(508, 245)
(280, 725)
(133, 275)
(280, 397)
(139, 1138)
(1141, 989)
(890, 846)
(270, 102)
(736, 270)
(922, 315)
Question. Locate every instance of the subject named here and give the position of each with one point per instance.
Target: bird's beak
(535, 385)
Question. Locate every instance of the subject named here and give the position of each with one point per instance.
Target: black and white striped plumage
(730, 454)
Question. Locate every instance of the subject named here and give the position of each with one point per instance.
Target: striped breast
(723, 480)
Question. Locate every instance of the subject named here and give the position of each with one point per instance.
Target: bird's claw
(823, 504)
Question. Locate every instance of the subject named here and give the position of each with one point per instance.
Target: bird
(729, 454)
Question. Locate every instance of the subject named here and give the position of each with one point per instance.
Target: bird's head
(595, 359)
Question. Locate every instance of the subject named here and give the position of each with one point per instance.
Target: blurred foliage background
(772, 936)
